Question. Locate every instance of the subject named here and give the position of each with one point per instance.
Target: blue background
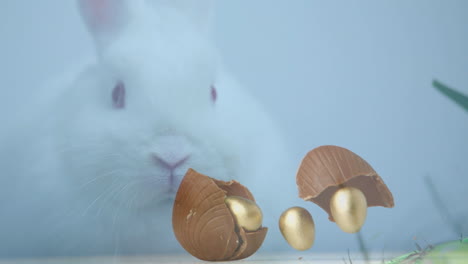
(351, 73)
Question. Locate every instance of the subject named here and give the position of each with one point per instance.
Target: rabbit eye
(118, 96)
(214, 93)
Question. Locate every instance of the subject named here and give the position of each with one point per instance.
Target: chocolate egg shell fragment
(327, 168)
(204, 225)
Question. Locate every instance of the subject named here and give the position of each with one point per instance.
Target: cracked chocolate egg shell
(326, 169)
(203, 223)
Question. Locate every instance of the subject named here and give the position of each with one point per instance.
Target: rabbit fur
(92, 162)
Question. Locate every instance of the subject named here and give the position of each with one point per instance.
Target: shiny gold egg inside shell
(349, 209)
(247, 214)
(205, 226)
(298, 228)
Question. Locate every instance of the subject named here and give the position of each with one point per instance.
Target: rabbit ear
(104, 18)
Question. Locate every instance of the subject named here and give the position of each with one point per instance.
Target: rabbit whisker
(108, 174)
(111, 189)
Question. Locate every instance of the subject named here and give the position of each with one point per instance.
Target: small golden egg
(349, 209)
(247, 214)
(298, 228)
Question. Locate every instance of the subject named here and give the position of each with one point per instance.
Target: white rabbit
(103, 156)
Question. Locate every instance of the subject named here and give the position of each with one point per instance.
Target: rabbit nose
(171, 151)
(168, 162)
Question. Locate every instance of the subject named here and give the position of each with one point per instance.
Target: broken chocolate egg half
(343, 184)
(210, 217)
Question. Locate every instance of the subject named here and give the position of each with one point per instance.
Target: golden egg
(298, 228)
(349, 209)
(247, 214)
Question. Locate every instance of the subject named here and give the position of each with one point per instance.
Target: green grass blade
(407, 258)
(453, 252)
(457, 97)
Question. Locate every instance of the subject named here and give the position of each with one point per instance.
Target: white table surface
(187, 259)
